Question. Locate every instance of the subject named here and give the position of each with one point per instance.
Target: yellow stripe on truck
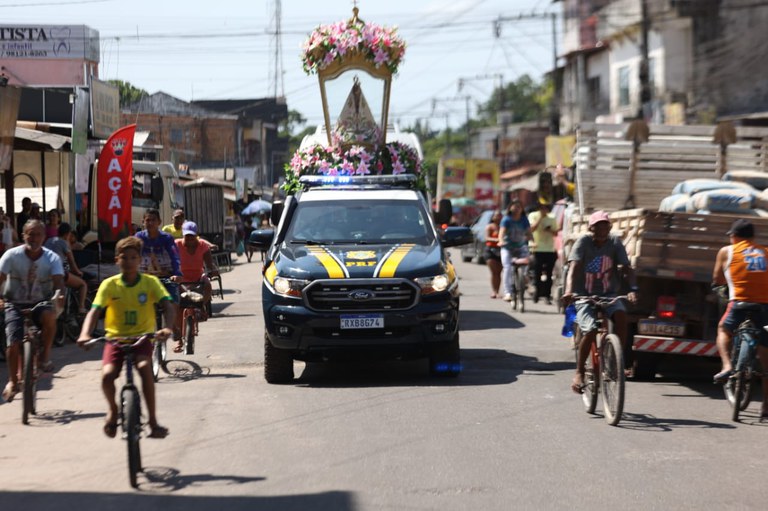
(389, 267)
(271, 273)
(331, 264)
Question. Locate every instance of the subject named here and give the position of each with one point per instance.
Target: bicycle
(160, 347)
(193, 311)
(130, 400)
(69, 322)
(746, 369)
(520, 275)
(32, 347)
(606, 360)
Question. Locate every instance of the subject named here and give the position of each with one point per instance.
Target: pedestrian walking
(492, 252)
(544, 230)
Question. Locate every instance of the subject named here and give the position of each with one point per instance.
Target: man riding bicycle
(743, 266)
(29, 274)
(195, 256)
(595, 262)
(159, 256)
(514, 234)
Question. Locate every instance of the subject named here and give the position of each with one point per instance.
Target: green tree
(525, 98)
(128, 93)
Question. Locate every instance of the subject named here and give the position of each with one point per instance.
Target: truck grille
(361, 295)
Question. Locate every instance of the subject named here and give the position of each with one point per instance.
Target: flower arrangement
(328, 43)
(391, 159)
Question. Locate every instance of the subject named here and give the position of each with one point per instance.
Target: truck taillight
(665, 306)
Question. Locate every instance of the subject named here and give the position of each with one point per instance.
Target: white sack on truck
(692, 186)
(722, 201)
(754, 178)
(675, 203)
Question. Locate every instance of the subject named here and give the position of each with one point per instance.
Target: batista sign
(49, 42)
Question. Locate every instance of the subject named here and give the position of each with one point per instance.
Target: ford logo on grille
(361, 295)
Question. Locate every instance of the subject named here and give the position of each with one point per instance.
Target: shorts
(14, 320)
(172, 288)
(586, 314)
(732, 318)
(115, 356)
(492, 253)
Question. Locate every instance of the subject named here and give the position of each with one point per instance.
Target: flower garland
(327, 43)
(391, 159)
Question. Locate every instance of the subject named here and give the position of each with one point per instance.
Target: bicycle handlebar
(122, 342)
(599, 300)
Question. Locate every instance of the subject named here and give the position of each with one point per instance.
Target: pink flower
(347, 168)
(380, 57)
(398, 168)
(362, 169)
(324, 166)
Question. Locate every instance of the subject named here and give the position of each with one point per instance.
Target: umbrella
(257, 207)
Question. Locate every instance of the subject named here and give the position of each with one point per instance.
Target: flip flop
(578, 388)
(722, 376)
(9, 392)
(158, 432)
(178, 348)
(110, 429)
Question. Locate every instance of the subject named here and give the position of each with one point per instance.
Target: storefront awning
(53, 141)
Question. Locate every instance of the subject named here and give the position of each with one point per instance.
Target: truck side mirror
(277, 212)
(444, 212)
(157, 188)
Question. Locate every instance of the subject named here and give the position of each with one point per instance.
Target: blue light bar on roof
(391, 180)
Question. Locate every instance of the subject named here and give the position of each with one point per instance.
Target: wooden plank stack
(670, 241)
(671, 155)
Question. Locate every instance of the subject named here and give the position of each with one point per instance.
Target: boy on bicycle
(594, 270)
(743, 266)
(129, 299)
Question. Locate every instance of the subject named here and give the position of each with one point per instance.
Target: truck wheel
(278, 364)
(646, 365)
(445, 358)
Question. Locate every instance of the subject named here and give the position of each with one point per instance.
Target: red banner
(114, 181)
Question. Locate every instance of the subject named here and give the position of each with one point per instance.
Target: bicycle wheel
(520, 286)
(189, 335)
(612, 378)
(28, 376)
(742, 356)
(159, 358)
(132, 428)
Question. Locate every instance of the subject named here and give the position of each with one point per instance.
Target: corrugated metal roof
(52, 140)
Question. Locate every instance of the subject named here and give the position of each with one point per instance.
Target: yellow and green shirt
(173, 231)
(130, 308)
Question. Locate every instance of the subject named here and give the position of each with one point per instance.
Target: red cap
(597, 217)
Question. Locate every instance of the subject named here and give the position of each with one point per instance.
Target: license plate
(362, 321)
(664, 328)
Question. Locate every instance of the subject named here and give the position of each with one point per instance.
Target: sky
(226, 49)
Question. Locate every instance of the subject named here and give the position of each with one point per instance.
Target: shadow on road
(479, 367)
(179, 370)
(646, 422)
(166, 479)
(147, 501)
(487, 320)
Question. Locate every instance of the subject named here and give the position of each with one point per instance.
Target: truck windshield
(359, 222)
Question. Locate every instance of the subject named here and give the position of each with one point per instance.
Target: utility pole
(466, 99)
(554, 106)
(644, 73)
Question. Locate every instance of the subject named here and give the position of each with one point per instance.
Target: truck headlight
(289, 287)
(436, 284)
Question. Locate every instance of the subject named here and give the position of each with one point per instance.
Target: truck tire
(445, 358)
(646, 365)
(278, 364)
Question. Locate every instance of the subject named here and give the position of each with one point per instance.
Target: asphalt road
(507, 434)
